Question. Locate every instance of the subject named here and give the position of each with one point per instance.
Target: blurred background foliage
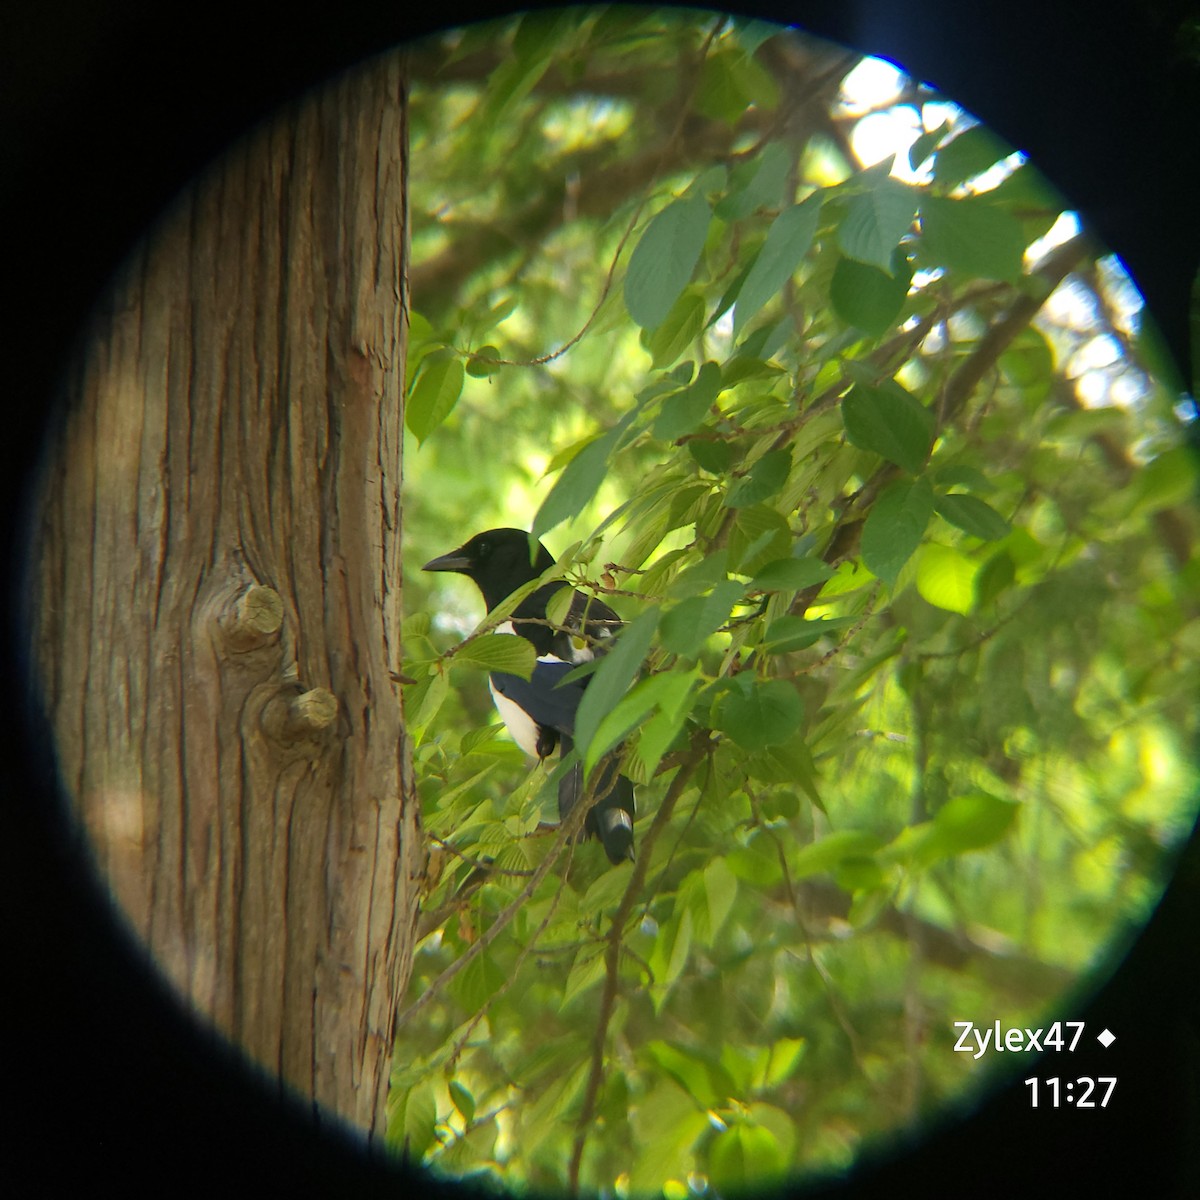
(807, 373)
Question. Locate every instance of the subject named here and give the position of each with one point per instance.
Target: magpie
(540, 711)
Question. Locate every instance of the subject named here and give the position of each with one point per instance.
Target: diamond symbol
(1106, 1039)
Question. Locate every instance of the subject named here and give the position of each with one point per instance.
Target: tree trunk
(218, 594)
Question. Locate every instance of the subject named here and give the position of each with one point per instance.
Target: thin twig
(542, 359)
(526, 950)
(613, 957)
(1056, 266)
(571, 826)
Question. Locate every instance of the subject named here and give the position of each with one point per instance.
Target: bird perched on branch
(540, 711)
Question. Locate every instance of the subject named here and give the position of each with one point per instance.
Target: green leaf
(434, 395)
(559, 605)
(760, 713)
(714, 457)
(973, 235)
(587, 970)
(703, 1078)
(1028, 193)
(756, 863)
(679, 328)
(973, 821)
(604, 893)
(787, 242)
(891, 422)
(730, 82)
(656, 738)
(419, 330)
(829, 853)
(575, 487)
(685, 628)
(416, 625)
(540, 34)
(786, 634)
(877, 217)
(580, 480)
(700, 577)
(420, 1120)
(784, 1057)
(499, 652)
(507, 86)
(895, 526)
(790, 575)
(790, 763)
(686, 410)
(858, 873)
(478, 982)
(422, 701)
(752, 33)
(998, 573)
(1169, 480)
(743, 367)
(756, 183)
(965, 823)
(925, 145)
(561, 457)
(670, 953)
(482, 741)
(868, 298)
(667, 692)
(477, 365)
(617, 670)
(462, 1100)
(766, 477)
(720, 889)
(962, 475)
(743, 1158)
(664, 259)
(968, 155)
(973, 516)
(759, 534)
(946, 578)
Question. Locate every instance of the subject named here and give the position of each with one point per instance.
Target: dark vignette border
(106, 111)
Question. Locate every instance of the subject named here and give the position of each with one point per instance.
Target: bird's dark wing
(611, 818)
(543, 696)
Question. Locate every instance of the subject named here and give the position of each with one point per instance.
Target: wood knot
(298, 716)
(252, 618)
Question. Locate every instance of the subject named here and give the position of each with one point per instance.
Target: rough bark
(219, 594)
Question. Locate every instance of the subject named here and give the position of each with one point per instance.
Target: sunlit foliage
(882, 463)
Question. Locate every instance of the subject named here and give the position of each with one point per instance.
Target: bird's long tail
(611, 817)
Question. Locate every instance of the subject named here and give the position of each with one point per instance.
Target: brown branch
(1172, 529)
(603, 187)
(661, 157)
(526, 950)
(603, 184)
(571, 826)
(1021, 977)
(567, 831)
(613, 954)
(1057, 265)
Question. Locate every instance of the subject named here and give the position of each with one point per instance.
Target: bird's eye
(483, 549)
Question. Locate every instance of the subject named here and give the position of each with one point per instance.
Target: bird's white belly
(520, 724)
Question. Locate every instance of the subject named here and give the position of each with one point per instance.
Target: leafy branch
(612, 954)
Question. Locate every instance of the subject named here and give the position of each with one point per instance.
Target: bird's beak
(454, 561)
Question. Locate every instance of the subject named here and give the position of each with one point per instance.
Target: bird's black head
(498, 561)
